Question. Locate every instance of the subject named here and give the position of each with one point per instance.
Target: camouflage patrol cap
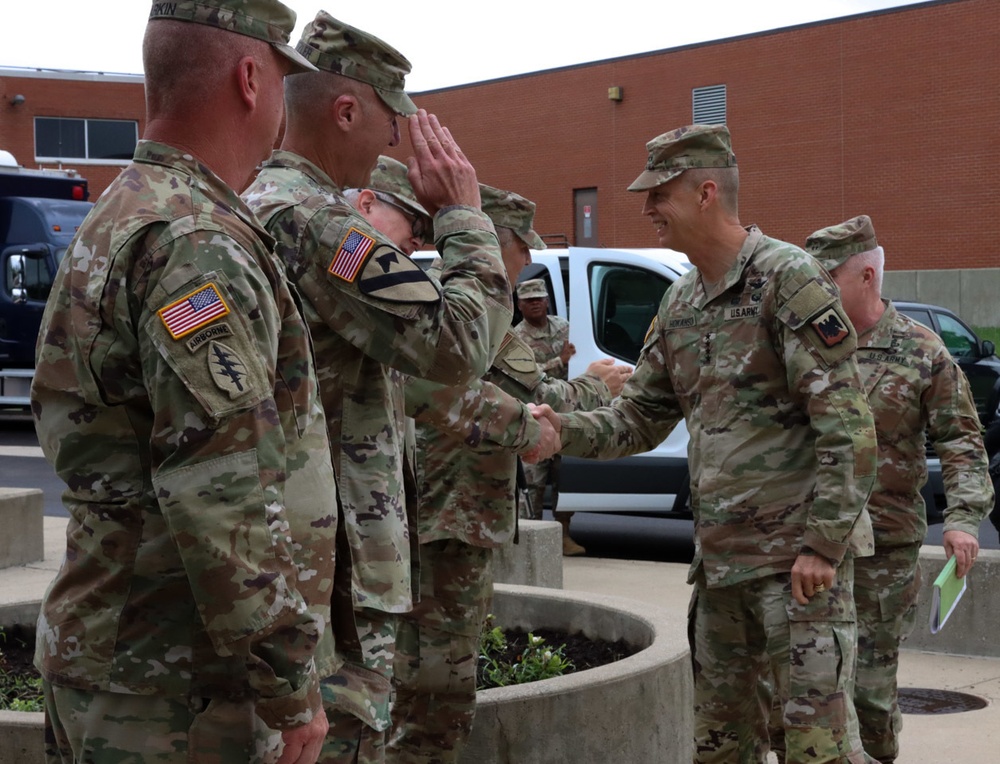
(390, 177)
(266, 20)
(836, 244)
(532, 289)
(509, 210)
(336, 47)
(683, 149)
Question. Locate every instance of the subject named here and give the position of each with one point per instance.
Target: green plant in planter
(17, 691)
(535, 662)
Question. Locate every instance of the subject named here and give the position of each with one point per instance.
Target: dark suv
(979, 362)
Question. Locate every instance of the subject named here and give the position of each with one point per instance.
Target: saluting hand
(440, 173)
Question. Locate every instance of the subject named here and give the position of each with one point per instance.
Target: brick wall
(892, 113)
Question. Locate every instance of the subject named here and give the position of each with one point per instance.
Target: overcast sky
(449, 42)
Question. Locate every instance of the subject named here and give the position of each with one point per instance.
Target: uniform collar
(880, 335)
(202, 177)
(290, 159)
(735, 273)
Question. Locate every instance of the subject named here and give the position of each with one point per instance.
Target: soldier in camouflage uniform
(914, 387)
(467, 509)
(548, 338)
(753, 349)
(175, 394)
(374, 316)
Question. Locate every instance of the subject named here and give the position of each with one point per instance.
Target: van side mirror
(14, 279)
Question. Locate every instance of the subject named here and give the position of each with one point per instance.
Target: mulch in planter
(583, 652)
(17, 649)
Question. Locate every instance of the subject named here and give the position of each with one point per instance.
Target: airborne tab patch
(830, 327)
(193, 311)
(351, 253)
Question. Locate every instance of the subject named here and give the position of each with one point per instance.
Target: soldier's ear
(366, 200)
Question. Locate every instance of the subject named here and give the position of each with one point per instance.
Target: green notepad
(948, 590)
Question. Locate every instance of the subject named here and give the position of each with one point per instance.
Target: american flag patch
(351, 254)
(193, 311)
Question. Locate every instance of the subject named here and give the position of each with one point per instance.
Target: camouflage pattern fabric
(175, 395)
(437, 653)
(914, 387)
(546, 343)
(375, 317)
(782, 450)
(467, 508)
(763, 371)
(159, 729)
(755, 629)
(267, 20)
(469, 493)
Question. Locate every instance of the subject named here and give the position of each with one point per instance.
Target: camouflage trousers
(537, 476)
(111, 727)
(886, 587)
(357, 696)
(437, 654)
(744, 635)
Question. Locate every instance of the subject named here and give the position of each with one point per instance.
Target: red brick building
(893, 113)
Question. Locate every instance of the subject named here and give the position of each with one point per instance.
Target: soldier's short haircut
(506, 236)
(874, 258)
(726, 179)
(308, 91)
(187, 64)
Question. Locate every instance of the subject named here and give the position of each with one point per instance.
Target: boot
(570, 547)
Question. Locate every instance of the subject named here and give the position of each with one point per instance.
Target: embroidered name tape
(193, 311)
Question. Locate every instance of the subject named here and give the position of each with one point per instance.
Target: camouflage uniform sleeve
(383, 303)
(638, 420)
(480, 413)
(954, 430)
(219, 476)
(822, 372)
(584, 393)
(555, 365)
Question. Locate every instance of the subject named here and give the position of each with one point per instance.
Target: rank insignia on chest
(350, 255)
(830, 327)
(193, 311)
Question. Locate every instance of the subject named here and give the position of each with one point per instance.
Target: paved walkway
(972, 737)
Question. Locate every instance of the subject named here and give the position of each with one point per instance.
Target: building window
(708, 105)
(95, 140)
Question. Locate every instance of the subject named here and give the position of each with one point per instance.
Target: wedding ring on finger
(819, 588)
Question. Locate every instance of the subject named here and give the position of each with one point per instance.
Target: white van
(609, 297)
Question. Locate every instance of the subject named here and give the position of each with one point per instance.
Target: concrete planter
(635, 710)
(22, 735)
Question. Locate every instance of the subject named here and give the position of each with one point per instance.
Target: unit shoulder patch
(392, 276)
(830, 327)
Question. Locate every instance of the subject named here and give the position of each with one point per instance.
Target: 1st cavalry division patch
(193, 311)
(830, 327)
(351, 254)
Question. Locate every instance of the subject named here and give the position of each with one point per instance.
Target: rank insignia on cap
(193, 311)
(351, 254)
(830, 327)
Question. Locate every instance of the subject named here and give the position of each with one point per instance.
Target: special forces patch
(227, 370)
(830, 327)
(193, 311)
(351, 253)
(392, 276)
